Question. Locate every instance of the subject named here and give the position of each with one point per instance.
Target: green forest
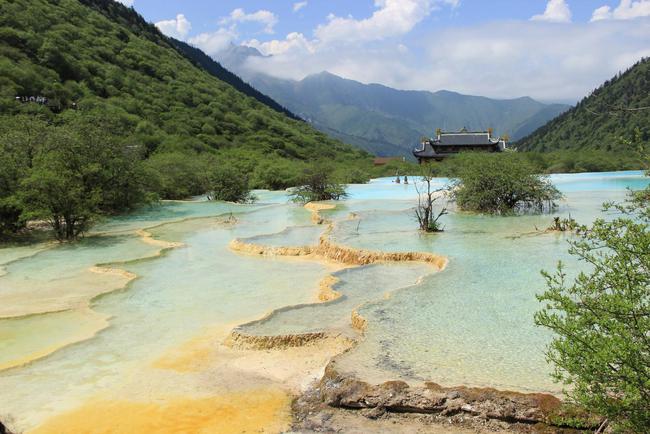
(614, 119)
(91, 94)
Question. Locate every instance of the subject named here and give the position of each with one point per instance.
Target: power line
(617, 110)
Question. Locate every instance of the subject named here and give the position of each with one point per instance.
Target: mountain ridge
(609, 118)
(388, 121)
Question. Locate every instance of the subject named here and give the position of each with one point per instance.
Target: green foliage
(318, 184)
(276, 174)
(600, 120)
(564, 225)
(501, 183)
(601, 319)
(177, 175)
(574, 416)
(354, 175)
(588, 160)
(129, 119)
(103, 56)
(203, 60)
(74, 173)
(226, 183)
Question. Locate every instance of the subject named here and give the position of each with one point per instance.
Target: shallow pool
(471, 323)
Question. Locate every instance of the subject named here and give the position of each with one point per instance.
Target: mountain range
(387, 121)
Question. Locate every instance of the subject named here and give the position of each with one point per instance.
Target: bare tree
(427, 196)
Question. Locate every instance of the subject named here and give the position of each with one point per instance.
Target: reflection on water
(471, 323)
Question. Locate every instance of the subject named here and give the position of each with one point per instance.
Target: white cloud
(293, 42)
(267, 18)
(176, 28)
(128, 3)
(299, 5)
(214, 42)
(626, 10)
(392, 18)
(602, 13)
(557, 11)
(538, 59)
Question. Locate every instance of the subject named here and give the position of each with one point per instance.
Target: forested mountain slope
(615, 117)
(206, 62)
(384, 120)
(98, 55)
(100, 113)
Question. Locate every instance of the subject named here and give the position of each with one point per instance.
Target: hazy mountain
(384, 120)
(234, 57)
(202, 60)
(606, 119)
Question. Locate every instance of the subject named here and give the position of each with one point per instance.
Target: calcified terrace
(152, 305)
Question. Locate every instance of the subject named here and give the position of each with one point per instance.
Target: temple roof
(427, 148)
(459, 139)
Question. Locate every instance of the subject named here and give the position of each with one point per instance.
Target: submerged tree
(230, 185)
(427, 196)
(61, 187)
(80, 171)
(501, 183)
(601, 318)
(318, 184)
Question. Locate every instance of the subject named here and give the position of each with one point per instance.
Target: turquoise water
(470, 324)
(60, 276)
(357, 286)
(175, 298)
(473, 322)
(295, 236)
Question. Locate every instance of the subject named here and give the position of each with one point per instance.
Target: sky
(551, 50)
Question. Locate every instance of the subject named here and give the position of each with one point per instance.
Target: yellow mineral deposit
(258, 410)
(316, 208)
(326, 289)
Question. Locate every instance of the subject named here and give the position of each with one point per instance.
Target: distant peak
(323, 74)
(526, 98)
(448, 93)
(242, 50)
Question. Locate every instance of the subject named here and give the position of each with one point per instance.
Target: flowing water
(76, 321)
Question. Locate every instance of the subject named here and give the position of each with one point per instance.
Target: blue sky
(553, 50)
(206, 14)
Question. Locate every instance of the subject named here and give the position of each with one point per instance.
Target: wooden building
(449, 143)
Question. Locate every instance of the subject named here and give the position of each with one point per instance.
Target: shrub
(277, 174)
(177, 175)
(601, 319)
(318, 184)
(228, 184)
(501, 183)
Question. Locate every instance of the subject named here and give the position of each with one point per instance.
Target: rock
(4, 429)
(453, 394)
(374, 413)
(468, 409)
(398, 397)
